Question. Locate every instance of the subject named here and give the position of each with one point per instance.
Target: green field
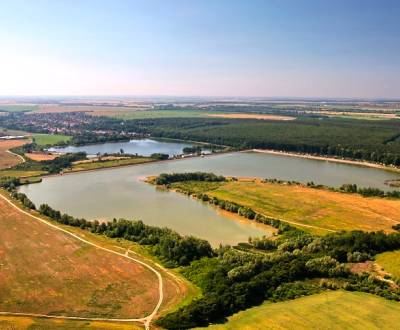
(316, 210)
(390, 261)
(50, 139)
(21, 174)
(328, 310)
(18, 108)
(109, 163)
(150, 114)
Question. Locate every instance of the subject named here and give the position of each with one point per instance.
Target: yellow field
(390, 261)
(315, 210)
(328, 310)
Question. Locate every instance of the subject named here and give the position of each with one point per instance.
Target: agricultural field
(18, 107)
(46, 271)
(30, 323)
(152, 114)
(90, 109)
(8, 159)
(251, 116)
(390, 262)
(50, 139)
(331, 310)
(39, 156)
(316, 210)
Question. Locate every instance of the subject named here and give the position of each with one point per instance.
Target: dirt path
(145, 320)
(19, 156)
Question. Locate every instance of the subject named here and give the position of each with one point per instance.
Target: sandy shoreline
(329, 159)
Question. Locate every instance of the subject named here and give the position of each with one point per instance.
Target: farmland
(45, 271)
(8, 159)
(390, 261)
(316, 210)
(49, 139)
(30, 323)
(18, 107)
(333, 310)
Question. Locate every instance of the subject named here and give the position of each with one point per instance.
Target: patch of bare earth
(46, 271)
(40, 156)
(251, 116)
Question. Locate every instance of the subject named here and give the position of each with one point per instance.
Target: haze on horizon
(274, 48)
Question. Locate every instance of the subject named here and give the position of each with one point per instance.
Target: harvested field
(328, 310)
(40, 156)
(315, 210)
(251, 116)
(46, 271)
(8, 159)
(30, 323)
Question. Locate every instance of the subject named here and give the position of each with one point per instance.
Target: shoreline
(128, 165)
(329, 159)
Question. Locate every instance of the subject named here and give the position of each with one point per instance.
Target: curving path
(145, 320)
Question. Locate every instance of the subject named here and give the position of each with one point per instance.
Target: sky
(237, 48)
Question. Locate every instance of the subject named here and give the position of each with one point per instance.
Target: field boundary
(145, 320)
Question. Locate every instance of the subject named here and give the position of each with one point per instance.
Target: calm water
(120, 193)
(144, 147)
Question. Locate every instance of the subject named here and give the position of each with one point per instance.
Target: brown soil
(40, 156)
(46, 271)
(7, 159)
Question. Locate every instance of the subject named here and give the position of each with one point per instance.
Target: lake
(143, 147)
(119, 192)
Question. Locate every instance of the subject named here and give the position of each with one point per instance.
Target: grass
(328, 310)
(50, 139)
(390, 261)
(18, 108)
(46, 271)
(150, 114)
(29, 323)
(109, 163)
(315, 207)
(21, 174)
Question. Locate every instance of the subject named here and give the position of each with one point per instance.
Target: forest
(375, 141)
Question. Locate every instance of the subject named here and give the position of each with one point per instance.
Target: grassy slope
(390, 261)
(47, 139)
(328, 310)
(321, 208)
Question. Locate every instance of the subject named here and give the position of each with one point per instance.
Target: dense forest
(376, 141)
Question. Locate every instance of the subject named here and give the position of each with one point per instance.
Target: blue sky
(303, 48)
